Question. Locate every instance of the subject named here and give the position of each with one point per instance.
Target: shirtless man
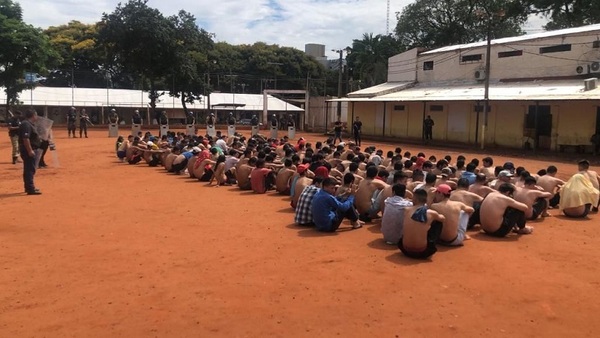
(487, 169)
(417, 179)
(282, 181)
(536, 200)
(456, 214)
(461, 194)
(242, 173)
(480, 186)
(584, 168)
(549, 183)
(302, 182)
(367, 196)
(421, 228)
(501, 214)
(505, 176)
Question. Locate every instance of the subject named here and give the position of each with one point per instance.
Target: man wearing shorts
(500, 213)
(422, 228)
(536, 200)
(456, 214)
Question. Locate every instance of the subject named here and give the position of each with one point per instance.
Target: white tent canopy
(99, 97)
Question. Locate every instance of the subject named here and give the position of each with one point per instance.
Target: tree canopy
(567, 13)
(24, 49)
(437, 23)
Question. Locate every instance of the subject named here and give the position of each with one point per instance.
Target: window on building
(596, 44)
(428, 65)
(471, 58)
(555, 49)
(510, 53)
(399, 107)
(436, 107)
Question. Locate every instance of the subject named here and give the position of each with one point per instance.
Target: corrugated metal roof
(526, 37)
(512, 91)
(381, 89)
(98, 97)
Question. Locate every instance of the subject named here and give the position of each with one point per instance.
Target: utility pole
(340, 73)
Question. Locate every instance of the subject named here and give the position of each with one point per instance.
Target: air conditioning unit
(590, 84)
(594, 67)
(480, 75)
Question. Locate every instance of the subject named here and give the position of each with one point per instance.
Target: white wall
(531, 64)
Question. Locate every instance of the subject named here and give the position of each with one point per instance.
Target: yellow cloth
(578, 191)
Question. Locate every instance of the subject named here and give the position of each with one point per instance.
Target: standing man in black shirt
(13, 132)
(71, 119)
(428, 125)
(357, 130)
(136, 118)
(29, 141)
(337, 129)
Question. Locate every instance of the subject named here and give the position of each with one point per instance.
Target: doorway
(538, 122)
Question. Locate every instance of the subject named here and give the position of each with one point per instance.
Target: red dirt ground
(111, 249)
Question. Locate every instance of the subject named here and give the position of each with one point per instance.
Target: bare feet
(527, 230)
(546, 214)
(357, 224)
(467, 237)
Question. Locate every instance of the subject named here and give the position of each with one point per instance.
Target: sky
(290, 23)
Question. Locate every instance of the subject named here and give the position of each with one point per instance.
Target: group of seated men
(422, 202)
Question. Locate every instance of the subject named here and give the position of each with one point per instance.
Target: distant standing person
(113, 117)
(29, 141)
(428, 126)
(337, 129)
(13, 132)
(357, 130)
(71, 119)
(84, 119)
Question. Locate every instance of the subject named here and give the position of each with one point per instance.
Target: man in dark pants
(84, 119)
(13, 132)
(29, 141)
(328, 212)
(428, 126)
(357, 131)
(71, 119)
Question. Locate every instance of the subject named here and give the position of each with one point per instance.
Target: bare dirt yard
(112, 249)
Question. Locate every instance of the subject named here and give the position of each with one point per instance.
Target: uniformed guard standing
(274, 124)
(71, 120)
(84, 119)
(113, 123)
(190, 124)
(231, 125)
(136, 123)
(164, 123)
(254, 123)
(291, 126)
(210, 125)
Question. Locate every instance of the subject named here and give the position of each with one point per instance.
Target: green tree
(24, 49)
(191, 60)
(367, 59)
(567, 13)
(80, 61)
(140, 39)
(438, 23)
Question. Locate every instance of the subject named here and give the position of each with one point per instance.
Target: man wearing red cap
(456, 214)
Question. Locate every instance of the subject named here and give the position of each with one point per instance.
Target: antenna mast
(387, 21)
